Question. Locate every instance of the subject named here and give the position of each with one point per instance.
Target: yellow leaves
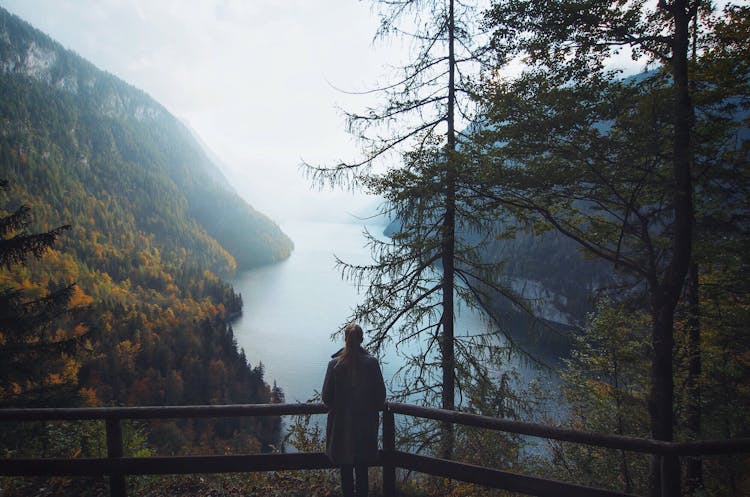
(70, 368)
(107, 319)
(80, 329)
(103, 288)
(601, 389)
(79, 298)
(170, 317)
(6, 279)
(125, 352)
(88, 397)
(54, 379)
(66, 372)
(127, 347)
(58, 266)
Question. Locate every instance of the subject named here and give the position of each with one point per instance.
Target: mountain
(154, 229)
(102, 132)
(554, 278)
(549, 273)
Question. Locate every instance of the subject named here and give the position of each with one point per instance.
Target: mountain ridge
(174, 151)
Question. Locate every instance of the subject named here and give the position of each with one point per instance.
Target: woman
(354, 392)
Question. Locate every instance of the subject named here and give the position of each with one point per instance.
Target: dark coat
(352, 427)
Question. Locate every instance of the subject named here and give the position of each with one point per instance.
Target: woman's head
(353, 336)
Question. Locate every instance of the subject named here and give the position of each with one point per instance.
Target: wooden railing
(116, 466)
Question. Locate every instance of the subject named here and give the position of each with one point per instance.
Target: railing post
(389, 446)
(670, 475)
(117, 486)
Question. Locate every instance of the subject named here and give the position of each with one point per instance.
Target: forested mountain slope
(84, 126)
(154, 229)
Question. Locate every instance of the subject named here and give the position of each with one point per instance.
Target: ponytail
(353, 337)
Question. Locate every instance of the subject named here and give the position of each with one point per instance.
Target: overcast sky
(254, 78)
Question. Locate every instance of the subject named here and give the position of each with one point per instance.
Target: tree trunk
(694, 474)
(666, 483)
(447, 347)
(664, 477)
(694, 470)
(624, 470)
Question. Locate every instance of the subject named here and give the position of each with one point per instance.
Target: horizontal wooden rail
(708, 447)
(494, 478)
(160, 412)
(711, 447)
(164, 465)
(117, 467)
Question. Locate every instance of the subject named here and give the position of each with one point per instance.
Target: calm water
(292, 308)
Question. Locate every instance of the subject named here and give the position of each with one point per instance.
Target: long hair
(353, 337)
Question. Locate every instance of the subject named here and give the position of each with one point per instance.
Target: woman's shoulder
(336, 354)
(366, 356)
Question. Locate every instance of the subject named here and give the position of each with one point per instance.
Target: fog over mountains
(63, 113)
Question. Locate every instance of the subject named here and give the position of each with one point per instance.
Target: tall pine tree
(33, 353)
(412, 159)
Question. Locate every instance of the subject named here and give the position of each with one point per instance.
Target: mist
(258, 82)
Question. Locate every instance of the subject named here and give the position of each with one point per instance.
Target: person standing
(354, 392)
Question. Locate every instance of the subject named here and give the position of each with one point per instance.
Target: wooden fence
(116, 466)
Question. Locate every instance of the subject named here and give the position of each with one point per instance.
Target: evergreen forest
(127, 303)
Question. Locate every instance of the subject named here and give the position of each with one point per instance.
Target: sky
(258, 80)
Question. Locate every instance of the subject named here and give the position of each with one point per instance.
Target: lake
(292, 308)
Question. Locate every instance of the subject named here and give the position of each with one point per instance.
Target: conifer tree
(30, 347)
(412, 159)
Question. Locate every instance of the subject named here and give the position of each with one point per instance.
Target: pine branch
(15, 250)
